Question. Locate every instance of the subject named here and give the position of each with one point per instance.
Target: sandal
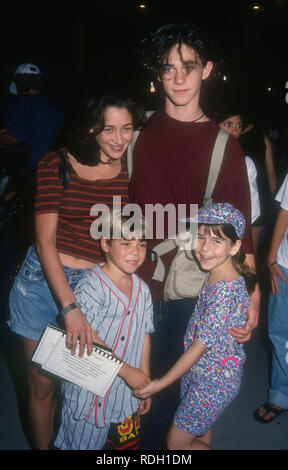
(269, 409)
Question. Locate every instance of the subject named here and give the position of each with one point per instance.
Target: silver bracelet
(70, 307)
(274, 262)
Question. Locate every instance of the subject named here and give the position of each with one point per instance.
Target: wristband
(69, 307)
(274, 262)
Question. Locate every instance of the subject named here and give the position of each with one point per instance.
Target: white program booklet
(94, 373)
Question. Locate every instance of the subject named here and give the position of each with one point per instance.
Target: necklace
(198, 118)
(108, 162)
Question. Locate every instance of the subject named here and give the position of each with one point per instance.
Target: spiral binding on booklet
(103, 350)
(107, 354)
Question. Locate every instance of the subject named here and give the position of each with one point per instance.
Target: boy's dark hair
(81, 143)
(157, 45)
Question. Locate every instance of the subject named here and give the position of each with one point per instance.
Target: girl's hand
(149, 390)
(78, 327)
(145, 406)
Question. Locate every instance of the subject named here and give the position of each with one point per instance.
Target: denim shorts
(31, 302)
(278, 334)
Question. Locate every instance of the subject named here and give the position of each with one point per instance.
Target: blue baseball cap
(222, 213)
(24, 69)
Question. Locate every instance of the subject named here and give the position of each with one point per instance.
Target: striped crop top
(73, 205)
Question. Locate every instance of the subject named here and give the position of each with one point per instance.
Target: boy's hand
(244, 334)
(135, 378)
(147, 391)
(145, 406)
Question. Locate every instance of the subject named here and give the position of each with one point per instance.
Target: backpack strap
(130, 153)
(131, 147)
(162, 248)
(216, 161)
(215, 164)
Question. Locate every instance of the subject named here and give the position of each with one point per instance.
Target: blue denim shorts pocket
(73, 275)
(31, 269)
(32, 305)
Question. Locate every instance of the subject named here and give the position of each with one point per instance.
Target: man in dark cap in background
(31, 119)
(30, 129)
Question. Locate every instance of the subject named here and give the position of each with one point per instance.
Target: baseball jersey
(122, 323)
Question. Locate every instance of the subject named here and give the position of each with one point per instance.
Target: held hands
(78, 327)
(135, 378)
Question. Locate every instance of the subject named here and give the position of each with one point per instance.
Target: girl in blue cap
(211, 366)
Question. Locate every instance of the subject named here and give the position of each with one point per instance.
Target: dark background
(90, 48)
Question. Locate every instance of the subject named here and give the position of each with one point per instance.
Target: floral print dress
(214, 381)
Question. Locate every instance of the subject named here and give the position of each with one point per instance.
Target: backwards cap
(24, 69)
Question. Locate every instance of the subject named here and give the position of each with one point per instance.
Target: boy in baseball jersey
(118, 305)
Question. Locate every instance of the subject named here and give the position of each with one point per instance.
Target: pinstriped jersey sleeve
(148, 310)
(89, 293)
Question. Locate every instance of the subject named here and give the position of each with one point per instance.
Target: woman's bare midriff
(73, 262)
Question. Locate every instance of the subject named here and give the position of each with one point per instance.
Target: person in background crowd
(257, 145)
(31, 118)
(231, 121)
(277, 314)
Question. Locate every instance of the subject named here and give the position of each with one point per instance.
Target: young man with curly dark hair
(171, 164)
